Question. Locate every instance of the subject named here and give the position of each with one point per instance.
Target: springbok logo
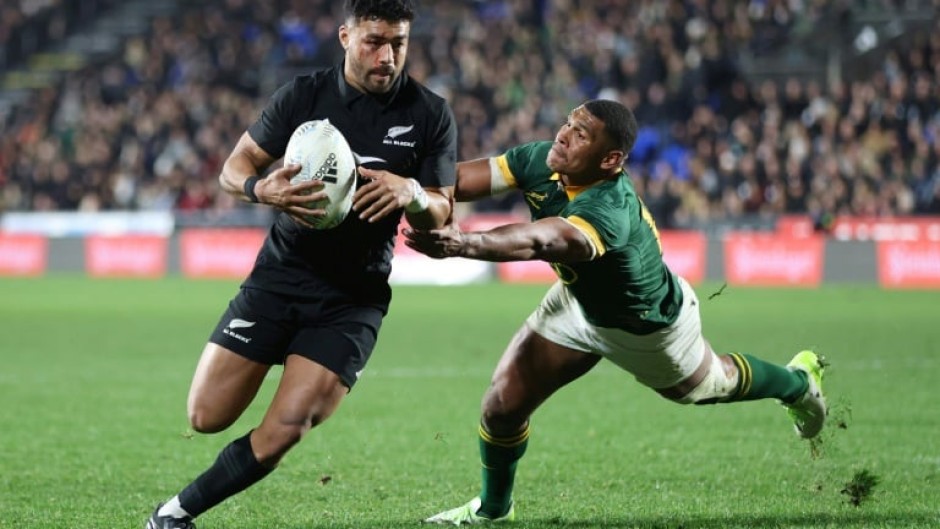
(535, 199)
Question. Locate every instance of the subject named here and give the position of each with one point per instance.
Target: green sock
(761, 380)
(499, 457)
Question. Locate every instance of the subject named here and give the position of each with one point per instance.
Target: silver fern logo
(394, 132)
(238, 323)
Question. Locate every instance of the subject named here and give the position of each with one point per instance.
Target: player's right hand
(441, 243)
(276, 190)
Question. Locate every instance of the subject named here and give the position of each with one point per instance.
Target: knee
(693, 397)
(204, 420)
(718, 385)
(686, 399)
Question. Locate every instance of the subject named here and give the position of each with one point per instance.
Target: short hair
(619, 122)
(388, 10)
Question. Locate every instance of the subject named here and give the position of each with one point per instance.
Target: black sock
(233, 471)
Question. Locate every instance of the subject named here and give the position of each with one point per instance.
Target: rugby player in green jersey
(615, 298)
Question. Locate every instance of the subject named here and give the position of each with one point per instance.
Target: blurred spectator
(149, 129)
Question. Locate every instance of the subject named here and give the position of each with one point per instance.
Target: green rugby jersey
(627, 285)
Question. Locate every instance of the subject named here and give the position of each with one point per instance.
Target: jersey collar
(574, 191)
(349, 94)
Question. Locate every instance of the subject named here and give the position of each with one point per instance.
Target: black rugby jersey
(409, 131)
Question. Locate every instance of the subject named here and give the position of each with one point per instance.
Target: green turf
(93, 431)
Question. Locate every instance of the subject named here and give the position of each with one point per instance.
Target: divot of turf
(861, 487)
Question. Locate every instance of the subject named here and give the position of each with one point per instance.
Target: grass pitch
(93, 432)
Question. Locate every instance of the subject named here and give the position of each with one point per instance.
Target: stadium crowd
(149, 129)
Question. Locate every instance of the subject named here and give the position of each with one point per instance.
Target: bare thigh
(531, 369)
(224, 385)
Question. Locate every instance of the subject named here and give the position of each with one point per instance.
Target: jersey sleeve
(602, 222)
(589, 231)
(523, 165)
(439, 167)
(274, 127)
(501, 176)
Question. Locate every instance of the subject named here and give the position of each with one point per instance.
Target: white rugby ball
(323, 154)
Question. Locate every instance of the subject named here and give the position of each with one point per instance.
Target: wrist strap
(420, 201)
(250, 188)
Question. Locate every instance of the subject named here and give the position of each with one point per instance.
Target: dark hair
(619, 122)
(388, 10)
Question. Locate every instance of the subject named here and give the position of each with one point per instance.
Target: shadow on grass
(848, 520)
(860, 520)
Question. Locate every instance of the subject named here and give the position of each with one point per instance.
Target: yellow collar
(574, 191)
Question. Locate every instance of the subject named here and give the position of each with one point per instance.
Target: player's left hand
(445, 242)
(385, 193)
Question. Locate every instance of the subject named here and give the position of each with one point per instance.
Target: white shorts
(659, 360)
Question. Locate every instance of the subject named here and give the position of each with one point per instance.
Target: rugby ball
(323, 154)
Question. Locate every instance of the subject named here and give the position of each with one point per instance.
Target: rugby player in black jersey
(315, 299)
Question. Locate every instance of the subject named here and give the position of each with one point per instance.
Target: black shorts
(331, 331)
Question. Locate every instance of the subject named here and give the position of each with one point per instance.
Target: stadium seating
(147, 126)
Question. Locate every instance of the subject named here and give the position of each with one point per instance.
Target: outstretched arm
(475, 180)
(552, 239)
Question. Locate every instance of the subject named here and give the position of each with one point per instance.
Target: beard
(377, 80)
